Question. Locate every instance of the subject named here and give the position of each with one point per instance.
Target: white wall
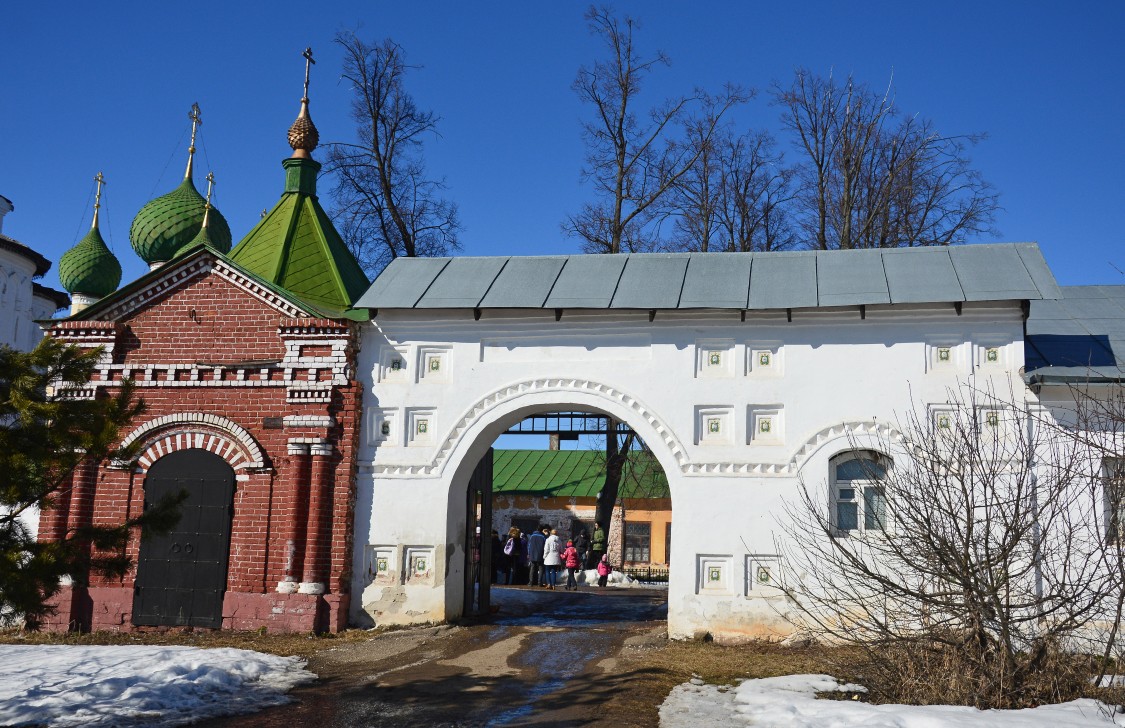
(832, 376)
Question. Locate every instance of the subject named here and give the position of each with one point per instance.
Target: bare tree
(385, 204)
(633, 157)
(965, 561)
(871, 178)
(736, 196)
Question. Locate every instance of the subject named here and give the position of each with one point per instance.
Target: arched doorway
(182, 575)
(639, 535)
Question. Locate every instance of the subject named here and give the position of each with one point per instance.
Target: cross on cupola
(196, 121)
(307, 55)
(100, 179)
(303, 136)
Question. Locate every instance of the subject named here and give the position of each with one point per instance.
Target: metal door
(181, 575)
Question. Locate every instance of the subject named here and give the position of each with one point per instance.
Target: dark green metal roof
(804, 279)
(571, 474)
(165, 225)
(1077, 338)
(296, 247)
(89, 267)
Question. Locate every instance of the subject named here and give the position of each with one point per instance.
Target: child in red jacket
(572, 561)
(604, 570)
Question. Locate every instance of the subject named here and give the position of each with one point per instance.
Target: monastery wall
(735, 411)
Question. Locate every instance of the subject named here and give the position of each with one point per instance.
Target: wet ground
(547, 659)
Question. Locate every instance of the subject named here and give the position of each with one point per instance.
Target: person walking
(582, 545)
(535, 543)
(597, 545)
(572, 559)
(604, 570)
(552, 558)
(513, 549)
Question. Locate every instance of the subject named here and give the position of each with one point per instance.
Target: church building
(245, 359)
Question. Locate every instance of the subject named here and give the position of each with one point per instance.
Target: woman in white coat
(552, 558)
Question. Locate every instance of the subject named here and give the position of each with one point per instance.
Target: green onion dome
(89, 267)
(203, 237)
(171, 221)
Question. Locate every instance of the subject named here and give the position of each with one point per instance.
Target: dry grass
(656, 670)
(301, 645)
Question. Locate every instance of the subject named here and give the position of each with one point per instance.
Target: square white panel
(418, 566)
(382, 565)
(381, 423)
(945, 355)
(765, 424)
(714, 425)
(763, 576)
(764, 359)
(714, 358)
(392, 364)
(714, 574)
(420, 426)
(433, 363)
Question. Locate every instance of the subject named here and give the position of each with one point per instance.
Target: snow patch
(791, 702)
(61, 685)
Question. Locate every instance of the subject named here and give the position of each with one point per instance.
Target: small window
(858, 492)
(638, 537)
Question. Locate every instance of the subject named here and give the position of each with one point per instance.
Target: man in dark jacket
(535, 556)
(597, 546)
(581, 545)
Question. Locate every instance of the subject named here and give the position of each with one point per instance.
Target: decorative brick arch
(186, 430)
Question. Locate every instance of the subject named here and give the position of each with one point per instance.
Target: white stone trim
(310, 587)
(197, 430)
(309, 421)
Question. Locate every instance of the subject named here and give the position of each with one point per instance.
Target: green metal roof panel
(403, 281)
(921, 275)
(569, 474)
(851, 278)
(462, 283)
(992, 273)
(651, 281)
(1080, 336)
(717, 281)
(783, 280)
(587, 281)
(524, 282)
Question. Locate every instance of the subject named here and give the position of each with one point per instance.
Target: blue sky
(108, 88)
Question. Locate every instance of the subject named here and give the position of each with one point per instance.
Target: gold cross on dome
(100, 179)
(196, 120)
(210, 183)
(307, 55)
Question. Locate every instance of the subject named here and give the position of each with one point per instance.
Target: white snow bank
(791, 702)
(616, 579)
(61, 685)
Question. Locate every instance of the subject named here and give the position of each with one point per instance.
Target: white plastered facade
(734, 433)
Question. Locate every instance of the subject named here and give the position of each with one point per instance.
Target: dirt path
(549, 659)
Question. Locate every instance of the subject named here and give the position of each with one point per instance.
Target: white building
(742, 372)
(23, 300)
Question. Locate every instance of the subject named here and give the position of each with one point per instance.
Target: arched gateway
(743, 372)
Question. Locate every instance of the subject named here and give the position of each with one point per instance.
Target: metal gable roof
(1080, 337)
(668, 281)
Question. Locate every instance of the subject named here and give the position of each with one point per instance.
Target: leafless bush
(969, 559)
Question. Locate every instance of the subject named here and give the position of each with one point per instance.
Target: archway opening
(579, 483)
(182, 574)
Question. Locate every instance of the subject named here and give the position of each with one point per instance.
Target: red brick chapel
(245, 359)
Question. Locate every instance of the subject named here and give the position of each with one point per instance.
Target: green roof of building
(165, 225)
(296, 247)
(572, 474)
(89, 267)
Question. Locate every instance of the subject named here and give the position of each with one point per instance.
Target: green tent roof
(296, 248)
(571, 474)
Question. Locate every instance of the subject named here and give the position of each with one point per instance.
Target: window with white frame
(859, 498)
(1113, 474)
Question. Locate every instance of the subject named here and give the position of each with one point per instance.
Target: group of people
(536, 558)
